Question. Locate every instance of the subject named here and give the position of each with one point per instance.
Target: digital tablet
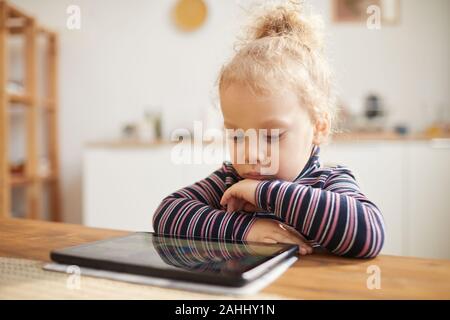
(219, 262)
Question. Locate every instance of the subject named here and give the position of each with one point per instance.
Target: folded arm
(195, 211)
(339, 217)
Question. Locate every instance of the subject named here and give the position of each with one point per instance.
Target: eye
(236, 138)
(274, 137)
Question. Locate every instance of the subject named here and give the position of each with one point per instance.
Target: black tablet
(228, 263)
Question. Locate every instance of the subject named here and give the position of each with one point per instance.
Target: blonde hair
(284, 46)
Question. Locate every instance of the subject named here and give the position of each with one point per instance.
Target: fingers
(303, 247)
(269, 240)
(288, 236)
(293, 230)
(308, 244)
(228, 199)
(244, 189)
(248, 207)
(225, 198)
(272, 231)
(232, 205)
(235, 204)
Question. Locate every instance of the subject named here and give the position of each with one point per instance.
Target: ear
(321, 129)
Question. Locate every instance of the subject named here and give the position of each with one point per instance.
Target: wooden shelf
(14, 12)
(47, 178)
(14, 22)
(19, 179)
(47, 105)
(22, 100)
(17, 98)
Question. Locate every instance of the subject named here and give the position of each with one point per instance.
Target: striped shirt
(325, 204)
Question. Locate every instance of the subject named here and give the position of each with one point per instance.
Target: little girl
(278, 79)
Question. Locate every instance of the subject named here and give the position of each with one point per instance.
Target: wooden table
(318, 276)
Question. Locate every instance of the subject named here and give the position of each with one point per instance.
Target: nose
(251, 154)
(255, 154)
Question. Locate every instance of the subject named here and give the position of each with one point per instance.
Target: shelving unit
(15, 23)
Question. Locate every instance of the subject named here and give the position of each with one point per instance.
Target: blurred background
(92, 92)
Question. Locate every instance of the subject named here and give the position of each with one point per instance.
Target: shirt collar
(312, 164)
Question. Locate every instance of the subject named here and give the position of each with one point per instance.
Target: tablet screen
(163, 252)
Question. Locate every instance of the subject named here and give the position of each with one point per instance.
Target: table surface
(317, 276)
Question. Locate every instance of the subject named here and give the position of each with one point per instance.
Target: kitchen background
(133, 73)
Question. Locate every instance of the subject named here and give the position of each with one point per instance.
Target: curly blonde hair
(284, 46)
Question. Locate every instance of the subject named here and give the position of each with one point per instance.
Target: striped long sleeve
(337, 216)
(195, 211)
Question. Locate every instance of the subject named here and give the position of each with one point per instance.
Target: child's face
(244, 110)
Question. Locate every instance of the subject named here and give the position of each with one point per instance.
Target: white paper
(251, 288)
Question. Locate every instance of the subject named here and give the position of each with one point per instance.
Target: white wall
(128, 55)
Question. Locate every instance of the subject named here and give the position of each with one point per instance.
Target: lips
(257, 176)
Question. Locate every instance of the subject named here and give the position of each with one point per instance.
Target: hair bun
(286, 20)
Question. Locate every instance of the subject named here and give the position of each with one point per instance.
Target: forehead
(243, 108)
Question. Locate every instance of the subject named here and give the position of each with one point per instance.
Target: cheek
(293, 155)
(288, 154)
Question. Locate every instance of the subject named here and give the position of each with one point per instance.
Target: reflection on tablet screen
(147, 249)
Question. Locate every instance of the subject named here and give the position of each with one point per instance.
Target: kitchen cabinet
(410, 183)
(428, 208)
(123, 187)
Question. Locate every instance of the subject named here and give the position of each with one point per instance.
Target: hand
(235, 204)
(272, 231)
(241, 196)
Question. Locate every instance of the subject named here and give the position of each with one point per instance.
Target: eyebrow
(229, 125)
(275, 124)
(268, 124)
